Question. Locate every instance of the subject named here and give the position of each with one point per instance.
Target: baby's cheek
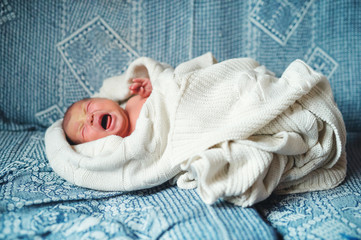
(89, 135)
(94, 135)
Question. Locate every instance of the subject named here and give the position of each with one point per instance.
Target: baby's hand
(141, 86)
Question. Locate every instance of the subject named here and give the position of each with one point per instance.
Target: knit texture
(235, 129)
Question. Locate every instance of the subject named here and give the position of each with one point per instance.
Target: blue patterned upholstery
(37, 202)
(331, 214)
(56, 52)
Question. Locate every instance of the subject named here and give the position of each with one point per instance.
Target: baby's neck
(133, 108)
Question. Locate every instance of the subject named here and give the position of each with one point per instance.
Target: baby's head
(93, 118)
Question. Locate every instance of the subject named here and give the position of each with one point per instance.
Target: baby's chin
(123, 132)
(121, 125)
(119, 129)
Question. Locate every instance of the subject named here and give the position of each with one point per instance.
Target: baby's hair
(66, 115)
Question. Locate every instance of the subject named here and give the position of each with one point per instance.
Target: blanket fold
(232, 129)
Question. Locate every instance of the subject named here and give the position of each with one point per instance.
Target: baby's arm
(141, 86)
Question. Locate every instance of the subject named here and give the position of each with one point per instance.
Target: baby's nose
(90, 119)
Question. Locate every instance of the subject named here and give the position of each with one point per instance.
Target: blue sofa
(56, 52)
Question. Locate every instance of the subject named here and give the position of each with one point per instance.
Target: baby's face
(95, 118)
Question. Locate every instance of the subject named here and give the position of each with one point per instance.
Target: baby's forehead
(71, 111)
(74, 106)
(80, 102)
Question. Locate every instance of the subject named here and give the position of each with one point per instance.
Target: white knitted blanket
(231, 129)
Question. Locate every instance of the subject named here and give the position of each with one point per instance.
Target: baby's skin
(94, 118)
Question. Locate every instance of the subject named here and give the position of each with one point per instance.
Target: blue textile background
(53, 53)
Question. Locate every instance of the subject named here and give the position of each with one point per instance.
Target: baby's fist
(141, 86)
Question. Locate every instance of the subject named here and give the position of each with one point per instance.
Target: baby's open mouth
(106, 121)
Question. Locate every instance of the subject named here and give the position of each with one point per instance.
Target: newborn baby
(93, 118)
(233, 130)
